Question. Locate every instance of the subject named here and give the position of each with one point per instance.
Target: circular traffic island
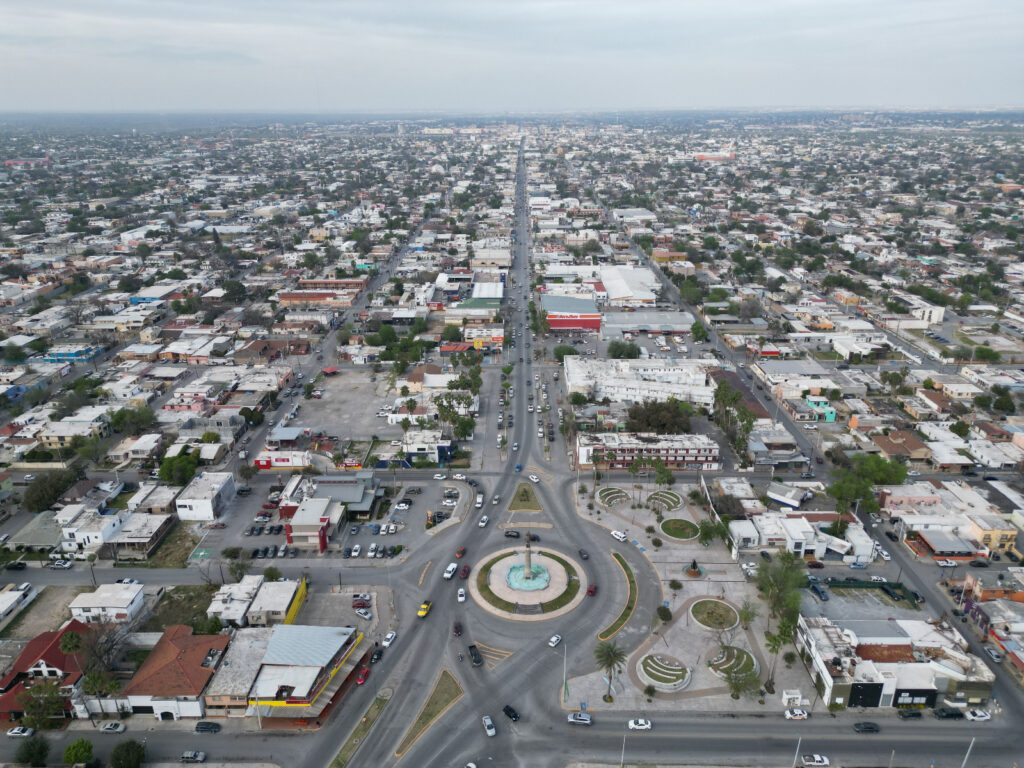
(549, 588)
(676, 528)
(733, 661)
(714, 614)
(665, 673)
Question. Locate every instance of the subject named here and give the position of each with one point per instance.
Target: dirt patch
(46, 613)
(173, 552)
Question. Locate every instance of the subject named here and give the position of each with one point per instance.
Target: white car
(640, 725)
(946, 563)
(461, 595)
(483, 522)
(489, 728)
(618, 535)
(458, 476)
(20, 732)
(978, 715)
(389, 638)
(402, 506)
(440, 476)
(796, 714)
(364, 614)
(534, 479)
(449, 503)
(879, 579)
(113, 728)
(884, 555)
(912, 473)
(810, 427)
(554, 641)
(814, 761)
(356, 550)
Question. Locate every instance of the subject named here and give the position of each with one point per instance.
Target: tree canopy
(665, 417)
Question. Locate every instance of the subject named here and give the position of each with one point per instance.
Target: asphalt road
(522, 670)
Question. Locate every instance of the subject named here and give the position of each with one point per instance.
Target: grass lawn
(446, 692)
(572, 586)
(485, 590)
(627, 610)
(180, 605)
(174, 550)
(121, 502)
(714, 614)
(524, 499)
(359, 733)
(679, 529)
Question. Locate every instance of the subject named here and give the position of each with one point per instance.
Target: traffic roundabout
(528, 584)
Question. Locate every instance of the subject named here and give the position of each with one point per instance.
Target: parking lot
(332, 606)
(410, 524)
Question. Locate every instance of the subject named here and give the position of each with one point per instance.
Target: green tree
(127, 754)
(699, 332)
(98, 683)
(577, 398)
(609, 658)
(210, 437)
(560, 351)
(742, 683)
(271, 573)
(46, 489)
(33, 751)
(961, 429)
(79, 751)
(247, 471)
(623, 350)
(178, 470)
(748, 612)
(132, 420)
(42, 704)
(234, 291)
(13, 353)
(451, 333)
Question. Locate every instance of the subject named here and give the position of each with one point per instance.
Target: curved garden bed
(665, 674)
(714, 614)
(631, 598)
(677, 528)
(612, 495)
(733, 661)
(669, 500)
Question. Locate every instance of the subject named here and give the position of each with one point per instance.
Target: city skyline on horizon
(547, 57)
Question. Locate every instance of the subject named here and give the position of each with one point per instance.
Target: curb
(439, 715)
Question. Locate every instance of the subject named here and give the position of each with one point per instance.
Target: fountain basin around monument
(516, 578)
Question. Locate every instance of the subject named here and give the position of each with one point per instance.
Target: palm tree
(609, 658)
(98, 684)
(71, 645)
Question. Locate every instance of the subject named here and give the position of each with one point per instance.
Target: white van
(449, 572)
(479, 500)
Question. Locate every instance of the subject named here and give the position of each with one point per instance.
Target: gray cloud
(470, 55)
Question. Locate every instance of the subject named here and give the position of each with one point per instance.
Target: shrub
(33, 751)
(664, 613)
(656, 542)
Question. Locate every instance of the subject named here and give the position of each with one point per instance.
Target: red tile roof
(46, 647)
(175, 667)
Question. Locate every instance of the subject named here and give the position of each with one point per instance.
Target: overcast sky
(507, 55)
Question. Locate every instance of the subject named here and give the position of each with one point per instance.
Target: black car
(866, 728)
(948, 713)
(534, 537)
(891, 536)
(584, 555)
(244, 490)
(978, 564)
(377, 654)
(766, 555)
(16, 565)
(205, 726)
(347, 553)
(512, 534)
(909, 714)
(390, 551)
(255, 553)
(510, 712)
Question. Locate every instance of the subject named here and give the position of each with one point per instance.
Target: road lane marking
(423, 575)
(492, 656)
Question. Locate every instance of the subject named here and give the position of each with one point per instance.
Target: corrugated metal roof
(305, 646)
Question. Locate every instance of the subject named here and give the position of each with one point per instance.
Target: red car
(464, 573)
(592, 590)
(270, 505)
(363, 674)
(815, 564)
(362, 604)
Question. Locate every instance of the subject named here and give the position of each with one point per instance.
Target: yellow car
(424, 609)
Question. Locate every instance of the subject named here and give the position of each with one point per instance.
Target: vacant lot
(175, 549)
(349, 407)
(46, 613)
(180, 605)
